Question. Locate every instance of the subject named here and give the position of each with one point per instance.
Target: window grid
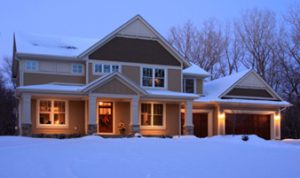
(31, 65)
(153, 77)
(106, 68)
(152, 115)
(77, 68)
(54, 111)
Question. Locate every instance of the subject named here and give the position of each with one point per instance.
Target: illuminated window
(52, 113)
(153, 77)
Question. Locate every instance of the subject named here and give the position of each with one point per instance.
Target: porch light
(277, 117)
(100, 103)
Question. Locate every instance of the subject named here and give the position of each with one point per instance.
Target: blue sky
(95, 18)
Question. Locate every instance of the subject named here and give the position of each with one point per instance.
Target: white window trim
(153, 77)
(52, 125)
(75, 73)
(102, 67)
(195, 85)
(30, 70)
(152, 110)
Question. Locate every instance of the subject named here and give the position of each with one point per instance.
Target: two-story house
(133, 81)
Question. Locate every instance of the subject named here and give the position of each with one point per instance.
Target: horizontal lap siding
(40, 78)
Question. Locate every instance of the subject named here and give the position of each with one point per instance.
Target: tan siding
(174, 79)
(76, 119)
(199, 87)
(132, 73)
(39, 78)
(122, 115)
(114, 87)
(172, 123)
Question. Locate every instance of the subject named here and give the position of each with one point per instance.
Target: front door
(105, 118)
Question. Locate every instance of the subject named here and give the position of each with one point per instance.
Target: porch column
(92, 125)
(134, 121)
(276, 125)
(26, 124)
(188, 128)
(221, 121)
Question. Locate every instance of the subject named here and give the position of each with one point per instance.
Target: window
(152, 114)
(31, 65)
(98, 68)
(105, 68)
(189, 85)
(153, 77)
(77, 68)
(52, 113)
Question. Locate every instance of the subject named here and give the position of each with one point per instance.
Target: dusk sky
(95, 18)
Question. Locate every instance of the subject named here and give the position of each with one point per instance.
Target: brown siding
(172, 122)
(249, 92)
(40, 78)
(76, 119)
(174, 79)
(132, 73)
(199, 87)
(135, 50)
(122, 115)
(114, 87)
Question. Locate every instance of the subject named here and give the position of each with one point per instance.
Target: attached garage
(248, 124)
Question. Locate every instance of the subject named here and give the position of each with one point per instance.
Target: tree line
(259, 40)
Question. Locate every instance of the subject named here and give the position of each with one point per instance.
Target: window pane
(146, 114)
(157, 120)
(159, 78)
(59, 119)
(45, 118)
(106, 68)
(147, 77)
(45, 106)
(115, 68)
(31, 65)
(98, 68)
(59, 106)
(77, 68)
(189, 86)
(158, 109)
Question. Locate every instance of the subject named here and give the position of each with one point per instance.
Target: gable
(251, 86)
(137, 28)
(135, 50)
(114, 86)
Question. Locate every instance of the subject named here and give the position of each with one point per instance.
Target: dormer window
(189, 85)
(31, 65)
(153, 77)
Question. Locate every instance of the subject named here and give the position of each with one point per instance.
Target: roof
(172, 94)
(195, 70)
(55, 87)
(74, 47)
(213, 90)
(51, 45)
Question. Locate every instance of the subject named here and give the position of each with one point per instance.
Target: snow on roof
(52, 87)
(52, 45)
(168, 93)
(213, 89)
(195, 70)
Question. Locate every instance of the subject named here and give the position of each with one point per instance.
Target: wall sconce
(75, 128)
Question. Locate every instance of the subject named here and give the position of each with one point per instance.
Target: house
(133, 81)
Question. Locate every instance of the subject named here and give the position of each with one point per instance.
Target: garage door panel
(248, 124)
(200, 121)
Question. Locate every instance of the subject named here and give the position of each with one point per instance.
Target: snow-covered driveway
(88, 157)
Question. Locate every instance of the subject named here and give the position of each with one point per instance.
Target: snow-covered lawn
(88, 157)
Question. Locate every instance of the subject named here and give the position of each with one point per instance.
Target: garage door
(200, 121)
(248, 124)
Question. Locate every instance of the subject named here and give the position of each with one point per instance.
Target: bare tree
(203, 47)
(256, 29)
